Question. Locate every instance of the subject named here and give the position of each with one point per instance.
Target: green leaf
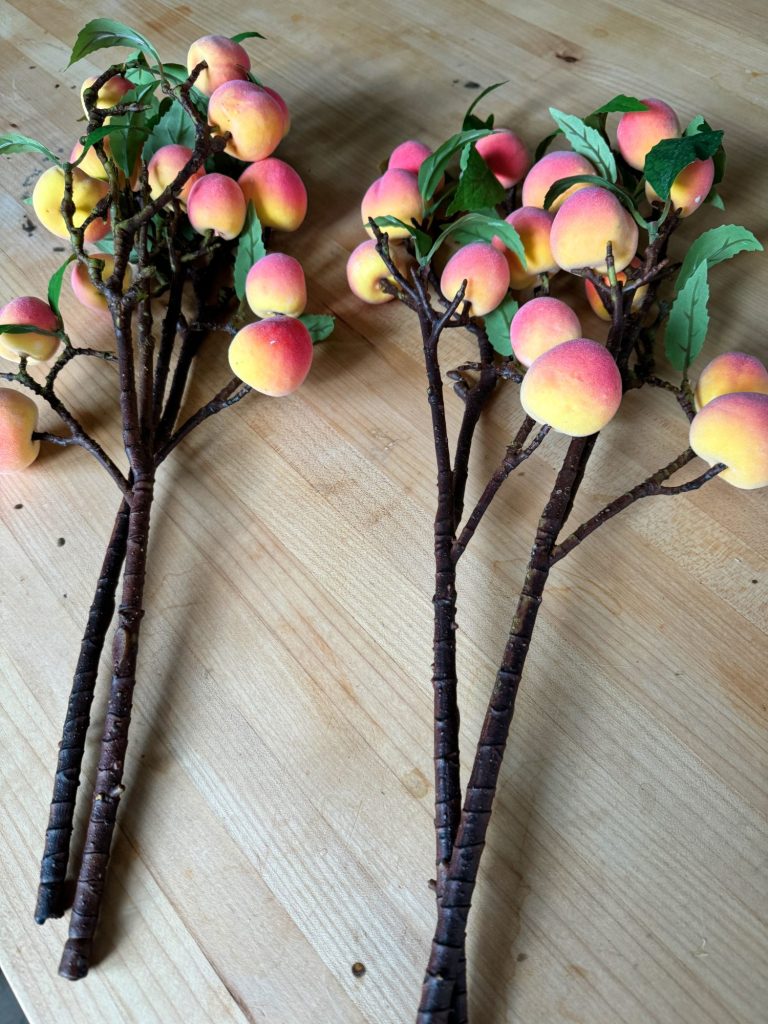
(104, 32)
(470, 115)
(54, 286)
(544, 145)
(670, 156)
(175, 126)
(27, 200)
(477, 188)
(250, 248)
(421, 239)
(246, 35)
(587, 141)
(13, 143)
(688, 320)
(715, 199)
(431, 171)
(26, 329)
(472, 121)
(563, 184)
(176, 73)
(715, 246)
(497, 326)
(480, 227)
(620, 104)
(318, 325)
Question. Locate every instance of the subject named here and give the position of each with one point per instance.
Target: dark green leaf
(26, 329)
(699, 124)
(421, 239)
(497, 326)
(104, 32)
(250, 248)
(715, 199)
(431, 171)
(688, 320)
(469, 114)
(715, 246)
(477, 188)
(176, 73)
(621, 104)
(563, 184)
(246, 35)
(480, 227)
(670, 156)
(318, 325)
(175, 126)
(587, 141)
(544, 145)
(54, 286)
(13, 143)
(472, 121)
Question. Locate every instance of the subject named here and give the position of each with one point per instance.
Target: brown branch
(232, 392)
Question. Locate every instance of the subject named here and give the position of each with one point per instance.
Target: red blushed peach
(506, 154)
(584, 225)
(18, 421)
(30, 312)
(273, 356)
(226, 60)
(394, 194)
(733, 429)
(85, 291)
(283, 108)
(164, 167)
(276, 284)
(561, 163)
(277, 193)
(597, 303)
(86, 193)
(534, 226)
(575, 387)
(539, 325)
(110, 94)
(640, 130)
(690, 188)
(486, 272)
(408, 156)
(731, 371)
(366, 271)
(216, 203)
(252, 116)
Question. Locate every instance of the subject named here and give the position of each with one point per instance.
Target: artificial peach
(394, 194)
(251, 115)
(86, 193)
(273, 356)
(28, 311)
(86, 292)
(216, 203)
(226, 60)
(690, 188)
(638, 131)
(18, 421)
(110, 94)
(283, 107)
(729, 372)
(506, 154)
(486, 272)
(408, 156)
(366, 271)
(733, 429)
(598, 307)
(575, 387)
(277, 193)
(276, 284)
(539, 325)
(533, 225)
(560, 163)
(584, 225)
(91, 163)
(165, 165)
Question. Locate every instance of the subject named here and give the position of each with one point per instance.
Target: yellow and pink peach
(539, 325)
(85, 291)
(28, 311)
(91, 163)
(251, 116)
(283, 107)
(486, 272)
(733, 429)
(394, 194)
(277, 192)
(597, 304)
(506, 155)
(86, 193)
(216, 203)
(560, 163)
(575, 387)
(227, 61)
(276, 284)
(165, 165)
(638, 131)
(408, 156)
(690, 188)
(366, 271)
(273, 356)
(18, 422)
(731, 371)
(584, 225)
(534, 226)
(110, 94)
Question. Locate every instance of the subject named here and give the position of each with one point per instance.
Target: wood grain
(277, 822)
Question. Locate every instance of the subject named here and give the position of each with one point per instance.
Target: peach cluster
(28, 311)
(731, 426)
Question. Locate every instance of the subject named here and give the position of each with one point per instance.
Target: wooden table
(277, 821)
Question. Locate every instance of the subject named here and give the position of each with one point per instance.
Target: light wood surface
(277, 821)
